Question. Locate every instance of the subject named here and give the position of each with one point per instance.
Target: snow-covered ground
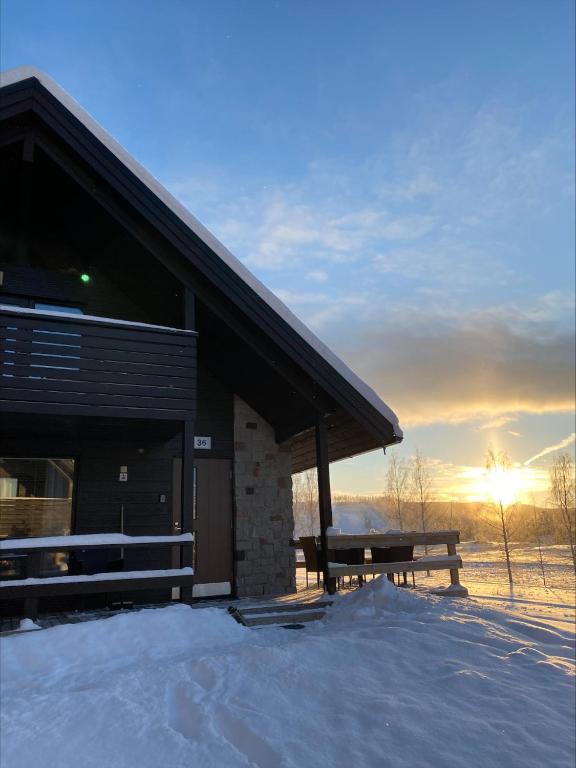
(390, 678)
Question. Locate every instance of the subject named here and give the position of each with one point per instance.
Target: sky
(399, 172)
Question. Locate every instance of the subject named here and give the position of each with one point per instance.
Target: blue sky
(400, 173)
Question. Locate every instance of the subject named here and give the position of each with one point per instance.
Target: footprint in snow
(183, 713)
(245, 740)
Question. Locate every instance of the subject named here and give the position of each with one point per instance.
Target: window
(36, 500)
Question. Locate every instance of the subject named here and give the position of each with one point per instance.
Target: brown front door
(213, 527)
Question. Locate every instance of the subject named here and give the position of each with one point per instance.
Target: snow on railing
(92, 540)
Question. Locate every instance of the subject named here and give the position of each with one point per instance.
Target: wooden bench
(31, 589)
(451, 561)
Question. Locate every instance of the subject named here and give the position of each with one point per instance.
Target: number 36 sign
(203, 442)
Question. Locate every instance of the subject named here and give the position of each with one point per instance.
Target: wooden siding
(77, 365)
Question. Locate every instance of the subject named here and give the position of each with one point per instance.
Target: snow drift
(389, 678)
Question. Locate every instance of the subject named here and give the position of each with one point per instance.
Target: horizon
(412, 203)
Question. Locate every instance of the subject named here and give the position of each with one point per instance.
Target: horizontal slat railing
(125, 581)
(451, 561)
(91, 541)
(439, 563)
(400, 539)
(53, 362)
(32, 588)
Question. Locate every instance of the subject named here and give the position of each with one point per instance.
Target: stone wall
(264, 559)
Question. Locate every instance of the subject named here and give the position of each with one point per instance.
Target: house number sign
(203, 442)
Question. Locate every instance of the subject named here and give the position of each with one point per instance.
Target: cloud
(552, 448)
(317, 276)
(501, 421)
(292, 298)
(428, 244)
(444, 366)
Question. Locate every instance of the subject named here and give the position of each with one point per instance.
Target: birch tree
(396, 480)
(305, 503)
(498, 466)
(537, 516)
(421, 487)
(562, 497)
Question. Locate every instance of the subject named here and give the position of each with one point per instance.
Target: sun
(499, 485)
(503, 485)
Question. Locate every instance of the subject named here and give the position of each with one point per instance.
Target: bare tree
(305, 503)
(421, 486)
(537, 516)
(562, 497)
(396, 480)
(498, 466)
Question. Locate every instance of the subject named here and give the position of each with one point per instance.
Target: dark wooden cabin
(149, 383)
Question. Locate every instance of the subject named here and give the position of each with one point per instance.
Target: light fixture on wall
(85, 277)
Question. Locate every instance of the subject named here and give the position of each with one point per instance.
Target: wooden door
(213, 527)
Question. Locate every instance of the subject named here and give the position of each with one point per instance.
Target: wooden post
(32, 571)
(324, 498)
(25, 194)
(187, 553)
(454, 575)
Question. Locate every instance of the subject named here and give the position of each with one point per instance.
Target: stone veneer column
(264, 560)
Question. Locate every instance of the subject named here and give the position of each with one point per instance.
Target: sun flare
(517, 484)
(503, 486)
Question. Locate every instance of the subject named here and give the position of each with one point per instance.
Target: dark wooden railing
(56, 363)
(30, 588)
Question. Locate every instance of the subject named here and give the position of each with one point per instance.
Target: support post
(456, 589)
(26, 193)
(187, 557)
(324, 498)
(454, 575)
(187, 553)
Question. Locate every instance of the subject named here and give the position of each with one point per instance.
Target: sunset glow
(477, 484)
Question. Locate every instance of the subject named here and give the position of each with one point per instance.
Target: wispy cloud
(552, 448)
(501, 421)
(317, 276)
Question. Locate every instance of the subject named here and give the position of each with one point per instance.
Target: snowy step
(281, 615)
(287, 608)
(260, 620)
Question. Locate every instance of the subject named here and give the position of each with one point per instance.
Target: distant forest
(474, 520)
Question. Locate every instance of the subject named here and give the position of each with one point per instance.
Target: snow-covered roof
(19, 74)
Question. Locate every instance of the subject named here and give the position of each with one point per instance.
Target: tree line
(409, 502)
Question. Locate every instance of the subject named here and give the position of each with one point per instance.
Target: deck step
(281, 615)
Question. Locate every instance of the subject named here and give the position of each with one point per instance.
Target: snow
(21, 73)
(434, 558)
(113, 576)
(86, 540)
(27, 625)
(359, 517)
(95, 319)
(390, 677)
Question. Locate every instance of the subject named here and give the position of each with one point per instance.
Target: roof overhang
(358, 419)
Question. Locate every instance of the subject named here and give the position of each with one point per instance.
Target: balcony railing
(52, 362)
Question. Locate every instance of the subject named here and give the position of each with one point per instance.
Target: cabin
(150, 385)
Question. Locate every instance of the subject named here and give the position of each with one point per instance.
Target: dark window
(36, 500)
